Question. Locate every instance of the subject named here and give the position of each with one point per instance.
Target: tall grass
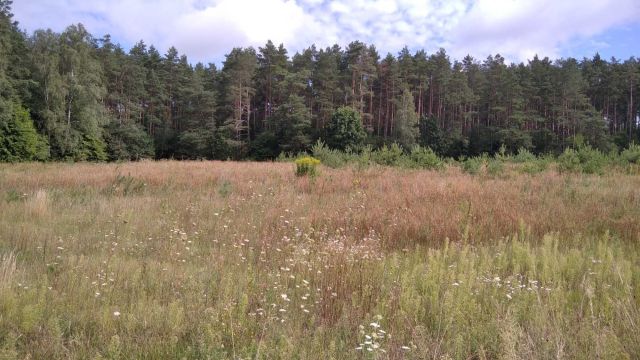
(246, 260)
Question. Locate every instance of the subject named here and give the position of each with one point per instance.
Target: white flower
(116, 313)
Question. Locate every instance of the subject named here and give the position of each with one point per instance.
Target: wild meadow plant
(377, 263)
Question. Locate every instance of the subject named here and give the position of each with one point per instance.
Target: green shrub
(364, 160)
(388, 155)
(534, 167)
(631, 154)
(593, 161)
(425, 158)
(524, 155)
(472, 165)
(569, 161)
(307, 166)
(585, 159)
(495, 167)
(330, 157)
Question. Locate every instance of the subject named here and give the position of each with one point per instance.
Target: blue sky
(205, 30)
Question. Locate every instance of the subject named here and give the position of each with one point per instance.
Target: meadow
(245, 260)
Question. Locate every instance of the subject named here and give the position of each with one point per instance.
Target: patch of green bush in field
(581, 159)
(388, 155)
(524, 156)
(472, 165)
(584, 159)
(495, 167)
(631, 155)
(425, 158)
(332, 158)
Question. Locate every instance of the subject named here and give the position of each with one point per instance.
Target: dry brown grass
(198, 259)
(406, 207)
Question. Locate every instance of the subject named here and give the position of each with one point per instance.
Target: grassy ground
(216, 260)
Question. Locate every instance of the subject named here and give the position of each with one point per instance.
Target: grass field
(208, 260)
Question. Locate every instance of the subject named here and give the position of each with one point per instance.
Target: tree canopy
(73, 96)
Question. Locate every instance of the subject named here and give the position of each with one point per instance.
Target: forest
(72, 96)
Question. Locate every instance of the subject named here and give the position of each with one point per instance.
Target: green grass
(154, 266)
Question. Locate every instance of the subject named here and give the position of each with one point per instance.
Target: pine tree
(237, 91)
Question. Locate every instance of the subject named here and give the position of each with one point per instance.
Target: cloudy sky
(206, 30)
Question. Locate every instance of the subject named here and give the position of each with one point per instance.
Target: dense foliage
(89, 99)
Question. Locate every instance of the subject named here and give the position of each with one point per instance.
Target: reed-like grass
(209, 260)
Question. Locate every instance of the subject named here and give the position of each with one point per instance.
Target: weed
(307, 166)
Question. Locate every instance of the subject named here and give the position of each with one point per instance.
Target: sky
(206, 30)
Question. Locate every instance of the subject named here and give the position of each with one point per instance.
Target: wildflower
(116, 313)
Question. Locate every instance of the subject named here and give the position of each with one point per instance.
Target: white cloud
(521, 28)
(207, 29)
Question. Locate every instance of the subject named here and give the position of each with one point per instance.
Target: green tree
(237, 90)
(293, 125)
(345, 130)
(19, 140)
(406, 130)
(70, 89)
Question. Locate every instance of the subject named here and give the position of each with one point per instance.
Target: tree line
(72, 96)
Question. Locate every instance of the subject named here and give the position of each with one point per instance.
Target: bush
(534, 167)
(389, 156)
(569, 161)
(495, 167)
(425, 158)
(585, 159)
(631, 154)
(593, 161)
(524, 155)
(330, 157)
(307, 166)
(472, 165)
